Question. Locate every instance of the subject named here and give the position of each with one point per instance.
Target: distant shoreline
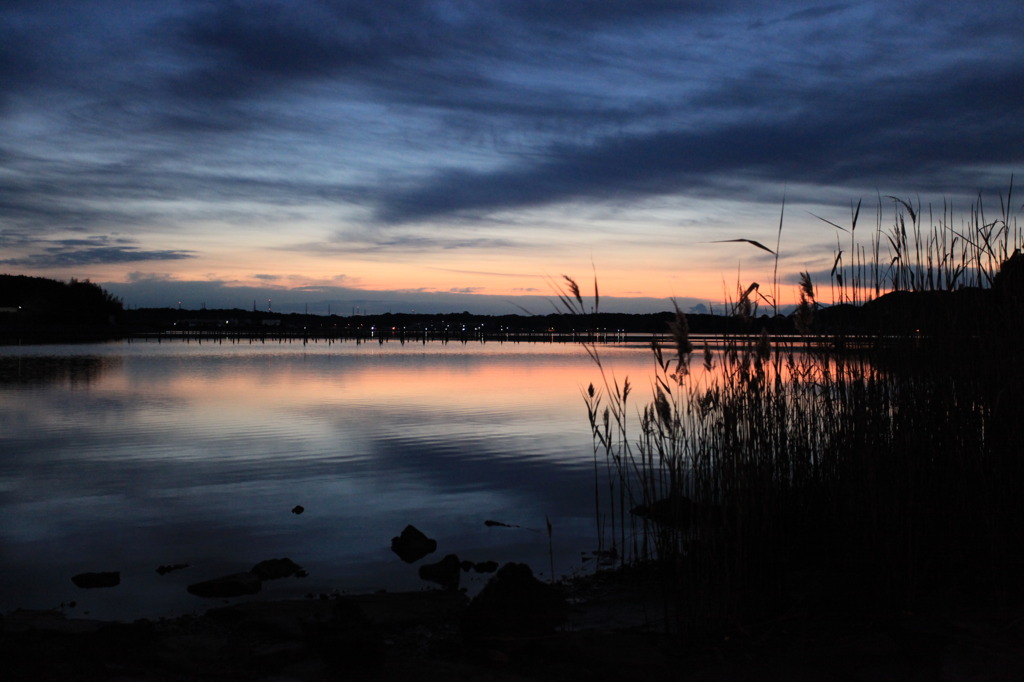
(166, 323)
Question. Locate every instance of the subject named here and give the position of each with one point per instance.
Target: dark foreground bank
(609, 626)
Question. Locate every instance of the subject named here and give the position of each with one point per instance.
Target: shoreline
(383, 635)
(614, 628)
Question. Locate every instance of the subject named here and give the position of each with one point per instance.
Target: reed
(788, 471)
(909, 256)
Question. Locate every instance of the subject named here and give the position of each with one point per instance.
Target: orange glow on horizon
(697, 272)
(705, 286)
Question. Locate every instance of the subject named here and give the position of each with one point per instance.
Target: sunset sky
(459, 155)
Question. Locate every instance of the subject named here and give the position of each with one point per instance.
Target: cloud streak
(90, 251)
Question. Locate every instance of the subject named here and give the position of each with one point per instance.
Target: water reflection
(69, 370)
(129, 456)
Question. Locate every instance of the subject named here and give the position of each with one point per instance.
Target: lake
(129, 456)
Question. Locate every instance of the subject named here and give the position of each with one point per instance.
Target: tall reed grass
(763, 474)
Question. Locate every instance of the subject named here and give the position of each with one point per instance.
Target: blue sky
(440, 156)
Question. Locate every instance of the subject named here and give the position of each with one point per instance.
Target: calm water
(129, 456)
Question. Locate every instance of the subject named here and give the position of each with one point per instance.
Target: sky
(369, 156)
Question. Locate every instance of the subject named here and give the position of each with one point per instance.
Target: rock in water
(412, 545)
(234, 585)
(164, 570)
(514, 603)
(272, 569)
(90, 580)
(445, 572)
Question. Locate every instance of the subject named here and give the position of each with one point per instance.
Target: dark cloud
(17, 66)
(882, 137)
(811, 13)
(247, 49)
(90, 251)
(57, 194)
(394, 242)
(577, 15)
(815, 12)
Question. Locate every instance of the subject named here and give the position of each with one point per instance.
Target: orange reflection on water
(395, 376)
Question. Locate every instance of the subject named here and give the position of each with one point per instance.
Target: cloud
(488, 273)
(887, 137)
(17, 65)
(92, 251)
(541, 81)
(368, 239)
(393, 129)
(811, 13)
(138, 276)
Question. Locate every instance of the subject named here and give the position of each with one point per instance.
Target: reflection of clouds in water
(175, 453)
(474, 464)
(66, 370)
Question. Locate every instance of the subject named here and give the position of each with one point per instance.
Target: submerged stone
(515, 603)
(412, 545)
(272, 569)
(89, 581)
(445, 572)
(165, 569)
(225, 587)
